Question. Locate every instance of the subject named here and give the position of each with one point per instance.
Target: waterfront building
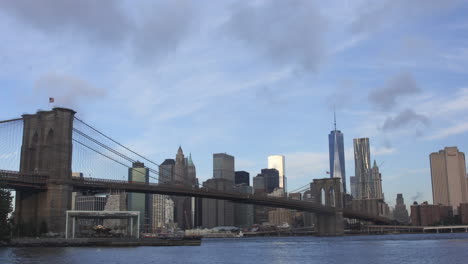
(223, 166)
(278, 162)
(337, 156)
(116, 201)
(281, 217)
(430, 214)
(242, 177)
(448, 174)
(163, 211)
(90, 202)
(362, 167)
(463, 213)
(400, 213)
(140, 201)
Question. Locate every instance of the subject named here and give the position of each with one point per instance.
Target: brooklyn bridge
(49, 146)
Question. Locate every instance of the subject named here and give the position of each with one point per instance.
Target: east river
(424, 248)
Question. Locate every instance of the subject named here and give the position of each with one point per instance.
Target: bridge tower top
(47, 143)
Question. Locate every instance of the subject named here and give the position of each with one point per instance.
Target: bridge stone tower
(328, 192)
(47, 149)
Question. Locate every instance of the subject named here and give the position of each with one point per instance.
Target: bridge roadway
(17, 180)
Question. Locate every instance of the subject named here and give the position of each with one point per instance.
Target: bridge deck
(17, 180)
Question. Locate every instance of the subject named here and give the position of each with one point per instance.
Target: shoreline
(100, 242)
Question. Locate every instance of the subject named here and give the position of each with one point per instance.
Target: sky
(250, 78)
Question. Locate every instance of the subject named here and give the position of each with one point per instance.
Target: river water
(420, 248)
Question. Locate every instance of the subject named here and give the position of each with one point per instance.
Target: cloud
(450, 131)
(403, 119)
(375, 15)
(67, 90)
(102, 20)
(162, 33)
(397, 87)
(147, 38)
(287, 32)
(382, 151)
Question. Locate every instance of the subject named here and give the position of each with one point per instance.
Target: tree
(6, 208)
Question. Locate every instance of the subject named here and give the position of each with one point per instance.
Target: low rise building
(430, 214)
(463, 212)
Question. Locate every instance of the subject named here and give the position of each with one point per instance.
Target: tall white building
(277, 162)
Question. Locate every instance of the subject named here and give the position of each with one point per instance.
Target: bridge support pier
(330, 225)
(46, 149)
(327, 191)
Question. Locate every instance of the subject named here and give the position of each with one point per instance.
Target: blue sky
(250, 78)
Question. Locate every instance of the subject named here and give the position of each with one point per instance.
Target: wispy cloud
(450, 131)
(404, 119)
(381, 151)
(397, 87)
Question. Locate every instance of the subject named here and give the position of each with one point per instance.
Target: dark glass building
(335, 144)
(242, 177)
(271, 177)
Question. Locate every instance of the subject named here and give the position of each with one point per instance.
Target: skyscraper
(336, 155)
(400, 213)
(140, 201)
(278, 162)
(354, 185)
(163, 205)
(362, 167)
(376, 187)
(184, 174)
(270, 180)
(242, 177)
(219, 212)
(223, 166)
(448, 172)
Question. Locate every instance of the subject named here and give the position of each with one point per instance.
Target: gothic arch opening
(50, 137)
(322, 196)
(331, 195)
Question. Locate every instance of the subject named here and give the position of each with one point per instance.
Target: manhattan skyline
(396, 71)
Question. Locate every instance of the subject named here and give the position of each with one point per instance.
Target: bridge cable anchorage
(126, 148)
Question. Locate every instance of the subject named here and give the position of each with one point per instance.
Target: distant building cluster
(160, 213)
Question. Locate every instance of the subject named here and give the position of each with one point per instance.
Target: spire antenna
(334, 116)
